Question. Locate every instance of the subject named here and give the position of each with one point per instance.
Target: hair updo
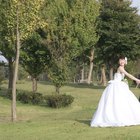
(122, 57)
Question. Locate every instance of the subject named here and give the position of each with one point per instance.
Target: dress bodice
(118, 76)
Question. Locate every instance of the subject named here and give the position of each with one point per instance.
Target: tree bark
(82, 74)
(57, 89)
(103, 76)
(91, 66)
(111, 73)
(13, 106)
(11, 71)
(34, 85)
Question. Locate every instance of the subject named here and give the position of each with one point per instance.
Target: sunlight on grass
(71, 123)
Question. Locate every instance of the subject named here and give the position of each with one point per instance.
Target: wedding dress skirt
(118, 106)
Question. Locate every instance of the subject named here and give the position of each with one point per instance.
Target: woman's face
(122, 62)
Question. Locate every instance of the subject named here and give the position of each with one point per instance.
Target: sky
(136, 3)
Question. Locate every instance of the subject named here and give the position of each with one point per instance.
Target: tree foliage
(71, 30)
(34, 56)
(119, 31)
(19, 19)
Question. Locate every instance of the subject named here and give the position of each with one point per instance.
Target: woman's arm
(122, 70)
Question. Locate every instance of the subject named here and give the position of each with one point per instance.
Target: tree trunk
(13, 106)
(111, 73)
(11, 71)
(91, 66)
(57, 89)
(82, 74)
(103, 75)
(74, 79)
(34, 85)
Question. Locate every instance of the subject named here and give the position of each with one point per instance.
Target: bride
(118, 106)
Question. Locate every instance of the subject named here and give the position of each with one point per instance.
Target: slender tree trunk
(57, 89)
(101, 79)
(103, 75)
(34, 84)
(91, 66)
(13, 106)
(111, 73)
(74, 79)
(11, 71)
(78, 77)
(82, 74)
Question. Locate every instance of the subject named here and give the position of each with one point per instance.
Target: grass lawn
(71, 123)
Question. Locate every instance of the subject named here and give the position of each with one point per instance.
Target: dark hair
(122, 57)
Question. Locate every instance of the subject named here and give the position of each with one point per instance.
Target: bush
(24, 97)
(37, 98)
(30, 97)
(8, 94)
(54, 101)
(60, 100)
(4, 82)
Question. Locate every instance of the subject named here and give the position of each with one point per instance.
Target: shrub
(54, 101)
(37, 98)
(29, 97)
(8, 94)
(4, 82)
(24, 97)
(59, 100)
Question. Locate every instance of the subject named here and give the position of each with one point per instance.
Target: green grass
(71, 123)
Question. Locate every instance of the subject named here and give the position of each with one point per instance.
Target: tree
(119, 32)
(22, 74)
(19, 18)
(84, 15)
(71, 30)
(7, 47)
(34, 58)
(103, 75)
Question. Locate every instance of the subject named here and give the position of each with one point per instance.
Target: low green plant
(26, 97)
(59, 100)
(54, 101)
(30, 97)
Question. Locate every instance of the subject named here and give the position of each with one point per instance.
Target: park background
(56, 59)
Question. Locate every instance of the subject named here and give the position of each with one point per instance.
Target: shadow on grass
(87, 122)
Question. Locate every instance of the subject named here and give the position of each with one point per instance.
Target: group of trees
(119, 31)
(59, 36)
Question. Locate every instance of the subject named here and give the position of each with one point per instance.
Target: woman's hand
(138, 81)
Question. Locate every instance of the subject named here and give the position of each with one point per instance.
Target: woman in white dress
(118, 106)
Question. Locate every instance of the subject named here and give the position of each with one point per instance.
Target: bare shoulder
(121, 69)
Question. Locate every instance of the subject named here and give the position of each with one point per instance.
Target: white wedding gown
(118, 106)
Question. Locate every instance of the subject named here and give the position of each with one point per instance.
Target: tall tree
(84, 15)
(6, 41)
(119, 32)
(20, 18)
(71, 30)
